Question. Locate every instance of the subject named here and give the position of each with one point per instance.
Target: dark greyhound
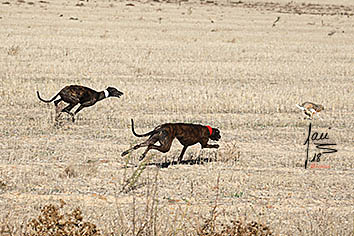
(187, 135)
(77, 94)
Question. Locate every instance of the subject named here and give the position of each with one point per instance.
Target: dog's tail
(141, 135)
(300, 107)
(47, 101)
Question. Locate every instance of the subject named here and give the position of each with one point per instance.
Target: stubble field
(224, 64)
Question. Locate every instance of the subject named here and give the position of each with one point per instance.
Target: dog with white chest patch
(77, 94)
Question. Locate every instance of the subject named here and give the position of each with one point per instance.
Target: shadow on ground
(198, 161)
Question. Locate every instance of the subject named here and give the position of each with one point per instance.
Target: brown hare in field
(310, 109)
(77, 94)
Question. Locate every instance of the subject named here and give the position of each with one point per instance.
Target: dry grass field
(219, 63)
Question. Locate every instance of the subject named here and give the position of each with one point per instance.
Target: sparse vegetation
(52, 222)
(216, 63)
(13, 50)
(235, 228)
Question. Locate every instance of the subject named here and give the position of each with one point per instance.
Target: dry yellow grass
(225, 65)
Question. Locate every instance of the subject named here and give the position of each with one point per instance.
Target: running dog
(310, 109)
(187, 135)
(77, 94)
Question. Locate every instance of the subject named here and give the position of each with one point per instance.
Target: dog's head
(215, 134)
(113, 92)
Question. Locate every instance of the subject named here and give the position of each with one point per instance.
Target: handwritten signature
(321, 146)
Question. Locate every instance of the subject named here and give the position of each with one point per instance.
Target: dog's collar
(106, 93)
(210, 129)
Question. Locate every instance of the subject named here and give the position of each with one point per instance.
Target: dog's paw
(124, 153)
(217, 146)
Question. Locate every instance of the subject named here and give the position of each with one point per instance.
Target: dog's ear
(110, 89)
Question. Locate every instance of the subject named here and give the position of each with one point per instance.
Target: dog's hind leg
(165, 141)
(58, 110)
(148, 142)
(56, 102)
(144, 144)
(162, 148)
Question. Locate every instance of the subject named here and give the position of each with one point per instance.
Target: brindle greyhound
(187, 135)
(310, 109)
(75, 94)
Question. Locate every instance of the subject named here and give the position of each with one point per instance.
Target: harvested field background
(227, 64)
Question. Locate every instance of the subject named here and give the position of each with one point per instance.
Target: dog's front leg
(206, 145)
(182, 153)
(79, 109)
(68, 109)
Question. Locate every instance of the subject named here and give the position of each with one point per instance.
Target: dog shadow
(166, 164)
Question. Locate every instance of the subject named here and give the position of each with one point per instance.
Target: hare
(310, 109)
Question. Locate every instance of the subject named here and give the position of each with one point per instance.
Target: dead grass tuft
(53, 222)
(70, 172)
(236, 228)
(231, 152)
(213, 227)
(13, 50)
(3, 185)
(6, 229)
